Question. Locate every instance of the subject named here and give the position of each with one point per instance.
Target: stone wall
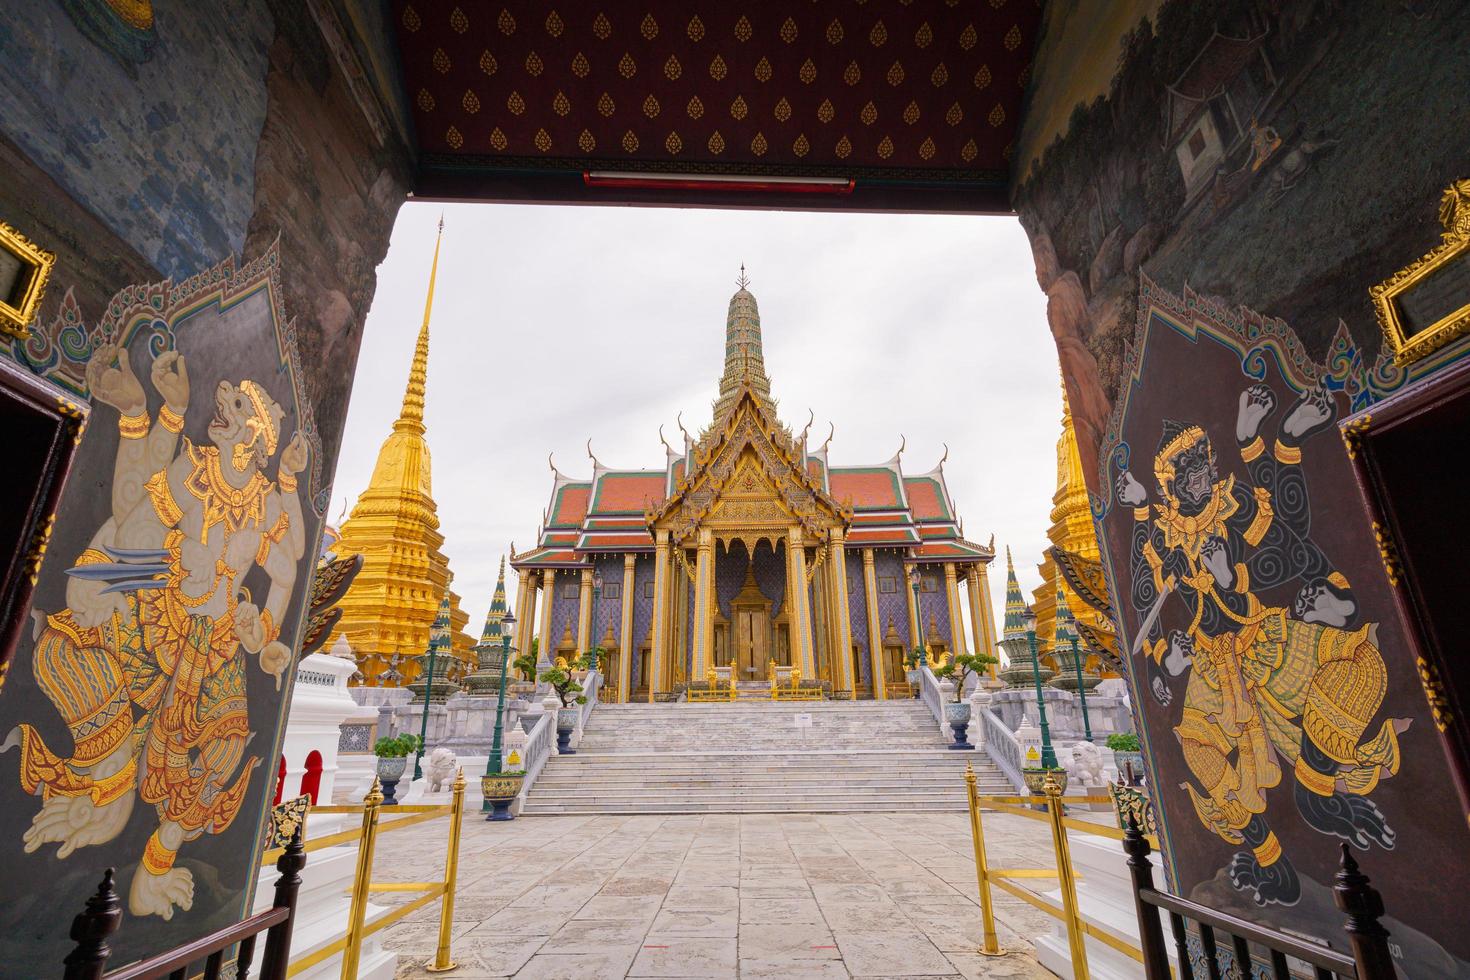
(1207, 266)
(241, 150)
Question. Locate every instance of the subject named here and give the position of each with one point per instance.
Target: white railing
(591, 687)
(930, 693)
(1003, 748)
(540, 745)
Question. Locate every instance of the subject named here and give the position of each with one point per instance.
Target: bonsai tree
(559, 676)
(592, 659)
(914, 658)
(961, 666)
(396, 747)
(525, 664)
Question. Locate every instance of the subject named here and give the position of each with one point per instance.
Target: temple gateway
(747, 558)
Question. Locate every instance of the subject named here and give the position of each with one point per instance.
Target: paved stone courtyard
(754, 895)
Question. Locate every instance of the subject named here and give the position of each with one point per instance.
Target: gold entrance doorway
(751, 612)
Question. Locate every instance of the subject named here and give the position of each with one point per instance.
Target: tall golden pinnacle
(1071, 529)
(411, 416)
(387, 613)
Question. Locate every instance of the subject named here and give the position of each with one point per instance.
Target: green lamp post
(593, 660)
(438, 637)
(1081, 691)
(494, 764)
(1048, 755)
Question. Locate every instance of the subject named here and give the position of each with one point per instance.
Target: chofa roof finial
(662, 439)
(831, 431)
(590, 456)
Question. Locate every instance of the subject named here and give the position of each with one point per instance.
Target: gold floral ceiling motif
(882, 89)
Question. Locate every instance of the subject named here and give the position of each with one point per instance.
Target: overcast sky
(552, 326)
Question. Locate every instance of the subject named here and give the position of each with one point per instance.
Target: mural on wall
(154, 679)
(1236, 146)
(1280, 712)
(1235, 152)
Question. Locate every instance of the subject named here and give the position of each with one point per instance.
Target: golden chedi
(387, 613)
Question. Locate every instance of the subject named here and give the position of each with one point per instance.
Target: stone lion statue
(1087, 764)
(440, 769)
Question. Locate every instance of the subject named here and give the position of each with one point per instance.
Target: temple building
(748, 553)
(1072, 531)
(387, 613)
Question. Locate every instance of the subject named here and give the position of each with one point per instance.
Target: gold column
(584, 613)
(660, 613)
(988, 608)
(916, 637)
(980, 628)
(801, 610)
(952, 600)
(525, 626)
(842, 613)
(704, 588)
(821, 625)
(875, 635)
(548, 599)
(625, 633)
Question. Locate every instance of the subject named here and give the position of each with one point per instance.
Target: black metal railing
(1370, 959)
(103, 914)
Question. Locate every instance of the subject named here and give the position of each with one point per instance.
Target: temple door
(752, 629)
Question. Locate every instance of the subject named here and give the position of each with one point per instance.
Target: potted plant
(500, 790)
(1036, 779)
(1127, 755)
(957, 712)
(393, 753)
(569, 692)
(911, 662)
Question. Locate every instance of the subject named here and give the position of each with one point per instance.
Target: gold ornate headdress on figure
(259, 424)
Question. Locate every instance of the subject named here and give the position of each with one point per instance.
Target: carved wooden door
(751, 643)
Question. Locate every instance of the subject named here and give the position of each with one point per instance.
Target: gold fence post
(1076, 938)
(991, 945)
(442, 961)
(361, 880)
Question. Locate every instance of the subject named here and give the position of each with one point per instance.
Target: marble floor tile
(685, 957)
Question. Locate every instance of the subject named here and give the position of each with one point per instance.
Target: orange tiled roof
(869, 489)
(925, 500)
(627, 493)
(570, 505)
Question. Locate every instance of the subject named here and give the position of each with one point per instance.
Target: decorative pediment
(747, 473)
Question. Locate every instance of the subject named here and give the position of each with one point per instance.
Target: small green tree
(525, 664)
(396, 747)
(914, 658)
(592, 659)
(961, 666)
(559, 677)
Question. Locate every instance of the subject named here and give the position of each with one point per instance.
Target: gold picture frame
(1415, 333)
(24, 269)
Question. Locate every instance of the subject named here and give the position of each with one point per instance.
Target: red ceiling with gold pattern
(923, 90)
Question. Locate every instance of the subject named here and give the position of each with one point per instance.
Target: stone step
(748, 757)
(744, 806)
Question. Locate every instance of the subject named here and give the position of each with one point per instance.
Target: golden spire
(387, 612)
(411, 417)
(1071, 530)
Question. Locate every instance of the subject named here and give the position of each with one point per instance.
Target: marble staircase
(757, 757)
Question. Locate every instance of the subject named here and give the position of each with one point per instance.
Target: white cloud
(553, 325)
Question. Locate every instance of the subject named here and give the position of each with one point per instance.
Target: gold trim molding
(18, 309)
(1454, 214)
